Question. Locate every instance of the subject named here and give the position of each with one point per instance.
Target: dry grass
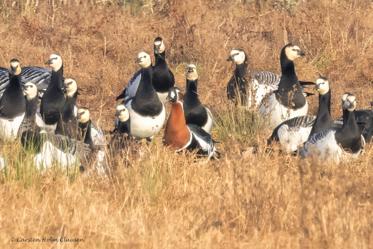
(163, 200)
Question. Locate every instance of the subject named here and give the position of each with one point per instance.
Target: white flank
(144, 127)
(276, 113)
(9, 128)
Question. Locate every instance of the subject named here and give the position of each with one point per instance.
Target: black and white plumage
(252, 87)
(68, 125)
(53, 100)
(163, 78)
(129, 92)
(32, 119)
(195, 112)
(122, 120)
(53, 149)
(93, 136)
(37, 75)
(341, 143)
(12, 104)
(293, 132)
(147, 112)
(288, 101)
(181, 136)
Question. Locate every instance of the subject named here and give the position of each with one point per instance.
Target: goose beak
(301, 53)
(48, 62)
(229, 58)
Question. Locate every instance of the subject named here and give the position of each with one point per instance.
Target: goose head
(322, 85)
(55, 62)
(144, 60)
(293, 52)
(191, 72)
(121, 112)
(30, 90)
(174, 95)
(71, 87)
(349, 102)
(15, 67)
(159, 46)
(238, 56)
(83, 115)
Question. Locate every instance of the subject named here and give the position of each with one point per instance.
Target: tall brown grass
(156, 198)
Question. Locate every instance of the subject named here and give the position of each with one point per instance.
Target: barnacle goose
(122, 121)
(32, 119)
(181, 136)
(288, 100)
(68, 124)
(292, 133)
(53, 149)
(336, 144)
(121, 132)
(129, 92)
(146, 111)
(53, 100)
(195, 112)
(163, 78)
(12, 104)
(94, 137)
(37, 75)
(364, 119)
(256, 85)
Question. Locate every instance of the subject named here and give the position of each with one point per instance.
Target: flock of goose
(38, 107)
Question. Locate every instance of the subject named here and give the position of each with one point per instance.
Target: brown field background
(164, 200)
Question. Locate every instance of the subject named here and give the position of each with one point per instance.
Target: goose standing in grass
(32, 119)
(163, 78)
(129, 92)
(195, 112)
(121, 132)
(53, 101)
(94, 137)
(12, 104)
(147, 112)
(53, 149)
(341, 143)
(364, 119)
(292, 133)
(288, 101)
(69, 124)
(37, 75)
(249, 87)
(181, 136)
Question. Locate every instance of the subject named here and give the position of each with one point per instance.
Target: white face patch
(15, 67)
(71, 87)
(293, 52)
(122, 113)
(55, 61)
(191, 72)
(344, 97)
(83, 115)
(30, 90)
(144, 60)
(322, 86)
(237, 56)
(159, 46)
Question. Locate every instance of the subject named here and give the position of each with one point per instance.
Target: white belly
(290, 139)
(9, 128)
(325, 149)
(210, 121)
(145, 127)
(49, 154)
(276, 113)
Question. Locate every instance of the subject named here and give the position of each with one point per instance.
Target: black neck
(68, 110)
(240, 70)
(288, 75)
(146, 100)
(160, 59)
(31, 107)
(57, 79)
(323, 118)
(85, 132)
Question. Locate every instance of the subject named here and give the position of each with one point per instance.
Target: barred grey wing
(4, 79)
(267, 78)
(38, 75)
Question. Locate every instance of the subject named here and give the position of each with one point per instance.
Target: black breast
(163, 78)
(13, 102)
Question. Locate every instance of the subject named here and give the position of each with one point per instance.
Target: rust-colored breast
(176, 133)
